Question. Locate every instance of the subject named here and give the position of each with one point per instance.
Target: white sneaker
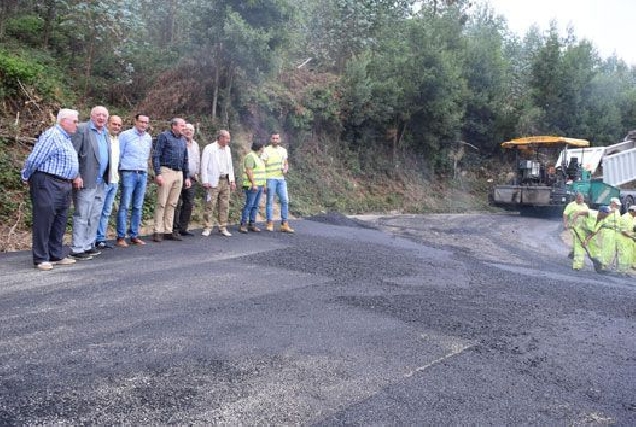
(64, 261)
(224, 232)
(205, 232)
(44, 266)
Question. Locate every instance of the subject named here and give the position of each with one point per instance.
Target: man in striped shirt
(49, 170)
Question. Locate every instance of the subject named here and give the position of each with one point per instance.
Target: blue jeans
(277, 186)
(133, 190)
(110, 191)
(250, 209)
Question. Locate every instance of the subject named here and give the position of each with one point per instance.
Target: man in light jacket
(217, 177)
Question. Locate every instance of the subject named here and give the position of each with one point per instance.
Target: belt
(57, 178)
(226, 176)
(132, 171)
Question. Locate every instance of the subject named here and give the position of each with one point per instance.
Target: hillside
(382, 108)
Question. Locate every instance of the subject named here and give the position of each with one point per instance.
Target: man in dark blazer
(92, 143)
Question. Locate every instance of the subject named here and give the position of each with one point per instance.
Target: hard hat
(632, 208)
(604, 209)
(616, 201)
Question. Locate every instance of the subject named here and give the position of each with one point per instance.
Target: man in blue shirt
(92, 143)
(170, 163)
(134, 149)
(110, 190)
(49, 170)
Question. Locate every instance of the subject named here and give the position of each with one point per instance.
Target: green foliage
(26, 28)
(14, 195)
(34, 71)
(15, 70)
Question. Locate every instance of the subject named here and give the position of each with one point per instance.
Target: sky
(607, 24)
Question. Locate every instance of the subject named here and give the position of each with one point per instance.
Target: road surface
(405, 319)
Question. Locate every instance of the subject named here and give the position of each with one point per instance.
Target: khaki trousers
(167, 198)
(217, 198)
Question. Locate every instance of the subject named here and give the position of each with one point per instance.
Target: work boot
(157, 237)
(243, 229)
(285, 228)
(269, 226)
(254, 228)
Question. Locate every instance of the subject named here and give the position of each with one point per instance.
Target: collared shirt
(224, 160)
(170, 152)
(194, 158)
(54, 154)
(102, 153)
(134, 150)
(114, 159)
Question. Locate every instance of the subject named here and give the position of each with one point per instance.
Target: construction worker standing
(575, 223)
(253, 185)
(625, 241)
(608, 233)
(276, 166)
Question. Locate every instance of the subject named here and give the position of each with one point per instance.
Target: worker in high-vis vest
(253, 186)
(575, 223)
(276, 167)
(610, 232)
(625, 240)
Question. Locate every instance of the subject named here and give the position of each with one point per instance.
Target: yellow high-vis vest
(258, 170)
(274, 162)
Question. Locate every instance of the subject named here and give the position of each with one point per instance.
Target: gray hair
(190, 126)
(66, 113)
(95, 110)
(176, 121)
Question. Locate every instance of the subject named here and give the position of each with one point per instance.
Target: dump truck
(551, 169)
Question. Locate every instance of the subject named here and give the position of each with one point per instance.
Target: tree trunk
(89, 63)
(48, 22)
(215, 94)
(227, 97)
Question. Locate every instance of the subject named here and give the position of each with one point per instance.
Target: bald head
(114, 125)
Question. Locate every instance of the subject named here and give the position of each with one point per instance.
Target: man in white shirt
(186, 200)
(217, 177)
(110, 189)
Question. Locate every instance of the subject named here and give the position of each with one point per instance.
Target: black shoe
(186, 233)
(82, 256)
(103, 245)
(174, 236)
(93, 252)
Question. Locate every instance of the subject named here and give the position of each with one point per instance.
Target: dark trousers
(184, 208)
(50, 199)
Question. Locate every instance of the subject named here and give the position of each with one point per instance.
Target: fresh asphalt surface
(344, 322)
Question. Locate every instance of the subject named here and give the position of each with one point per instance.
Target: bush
(26, 28)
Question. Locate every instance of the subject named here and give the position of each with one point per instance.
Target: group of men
(93, 161)
(604, 235)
